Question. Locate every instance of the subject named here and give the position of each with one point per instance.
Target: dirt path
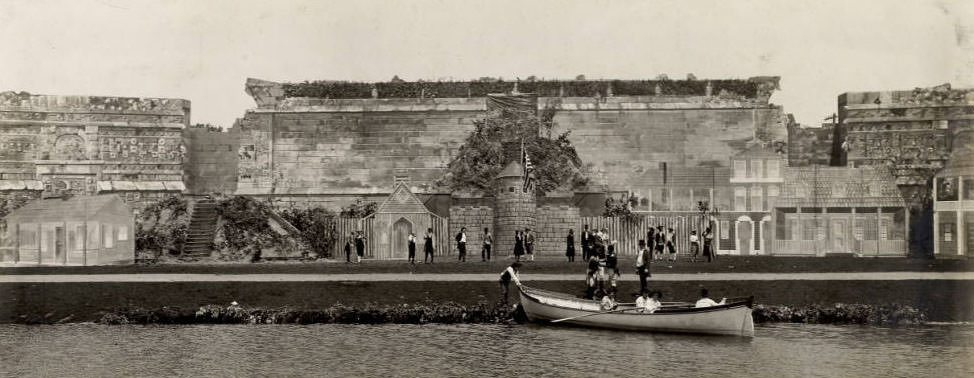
(381, 277)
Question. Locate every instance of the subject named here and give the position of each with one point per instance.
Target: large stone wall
(211, 160)
(553, 223)
(475, 219)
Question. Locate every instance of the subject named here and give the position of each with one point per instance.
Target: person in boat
(570, 248)
(608, 302)
(642, 264)
(705, 300)
(508, 275)
(649, 303)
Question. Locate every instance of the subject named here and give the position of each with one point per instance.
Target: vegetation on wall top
(544, 88)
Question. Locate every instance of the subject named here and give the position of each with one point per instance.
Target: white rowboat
(732, 318)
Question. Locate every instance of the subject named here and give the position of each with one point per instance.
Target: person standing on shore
(694, 245)
(360, 246)
(428, 246)
(509, 274)
(488, 241)
(642, 265)
(348, 248)
(462, 244)
(412, 248)
(570, 249)
(591, 276)
(518, 245)
(708, 245)
(586, 243)
(660, 242)
(612, 265)
(529, 242)
(651, 241)
(671, 243)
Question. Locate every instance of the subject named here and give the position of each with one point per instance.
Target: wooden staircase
(202, 227)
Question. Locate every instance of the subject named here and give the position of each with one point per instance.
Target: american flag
(528, 171)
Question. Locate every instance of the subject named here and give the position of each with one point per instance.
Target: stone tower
(513, 208)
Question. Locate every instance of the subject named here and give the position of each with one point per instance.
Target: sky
(205, 50)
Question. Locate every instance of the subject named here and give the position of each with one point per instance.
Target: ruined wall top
(933, 96)
(23, 101)
(291, 96)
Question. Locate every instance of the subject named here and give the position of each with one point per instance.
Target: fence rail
(628, 232)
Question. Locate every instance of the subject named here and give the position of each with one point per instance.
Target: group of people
(356, 239)
(523, 244)
(429, 246)
(659, 241)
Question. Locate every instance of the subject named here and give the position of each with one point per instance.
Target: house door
(60, 255)
(400, 238)
(840, 242)
(745, 231)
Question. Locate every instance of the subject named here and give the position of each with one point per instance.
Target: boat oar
(597, 313)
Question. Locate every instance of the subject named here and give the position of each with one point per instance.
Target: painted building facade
(83, 145)
(953, 194)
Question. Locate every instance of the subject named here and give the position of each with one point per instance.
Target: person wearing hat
(643, 260)
(509, 274)
(648, 304)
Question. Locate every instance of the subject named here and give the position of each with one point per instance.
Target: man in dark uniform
(462, 244)
(586, 243)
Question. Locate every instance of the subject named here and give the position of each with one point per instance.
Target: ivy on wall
(544, 88)
(487, 150)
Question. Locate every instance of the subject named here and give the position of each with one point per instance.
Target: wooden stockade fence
(628, 232)
(345, 226)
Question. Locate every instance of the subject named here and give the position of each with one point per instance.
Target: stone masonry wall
(552, 224)
(513, 210)
(211, 160)
(474, 218)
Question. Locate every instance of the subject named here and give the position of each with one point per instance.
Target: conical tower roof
(513, 169)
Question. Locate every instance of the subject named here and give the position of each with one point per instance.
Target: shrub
(317, 227)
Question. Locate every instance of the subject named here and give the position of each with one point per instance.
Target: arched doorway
(767, 234)
(745, 235)
(400, 238)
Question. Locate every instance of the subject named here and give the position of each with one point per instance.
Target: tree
(483, 156)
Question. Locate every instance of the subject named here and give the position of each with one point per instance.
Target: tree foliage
(483, 154)
(317, 227)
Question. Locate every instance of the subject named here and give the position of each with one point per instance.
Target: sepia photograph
(469, 188)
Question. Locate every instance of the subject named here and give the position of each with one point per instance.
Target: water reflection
(783, 350)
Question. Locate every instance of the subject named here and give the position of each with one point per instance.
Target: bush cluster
(162, 227)
(893, 314)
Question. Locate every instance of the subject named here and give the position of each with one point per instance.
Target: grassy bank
(736, 264)
(940, 300)
(453, 313)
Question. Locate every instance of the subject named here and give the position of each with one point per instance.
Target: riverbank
(53, 302)
(481, 313)
(544, 265)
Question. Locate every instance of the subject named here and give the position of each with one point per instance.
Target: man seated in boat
(608, 303)
(705, 300)
(649, 304)
(509, 274)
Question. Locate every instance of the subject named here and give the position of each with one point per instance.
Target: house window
(123, 233)
(756, 198)
(757, 170)
(108, 237)
(773, 193)
(79, 240)
(774, 169)
(948, 231)
(968, 186)
(740, 168)
(28, 236)
(725, 229)
(740, 199)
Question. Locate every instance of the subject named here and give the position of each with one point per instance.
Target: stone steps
(201, 230)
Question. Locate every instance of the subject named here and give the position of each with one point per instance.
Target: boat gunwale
(748, 302)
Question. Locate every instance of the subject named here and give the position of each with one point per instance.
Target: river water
(332, 350)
